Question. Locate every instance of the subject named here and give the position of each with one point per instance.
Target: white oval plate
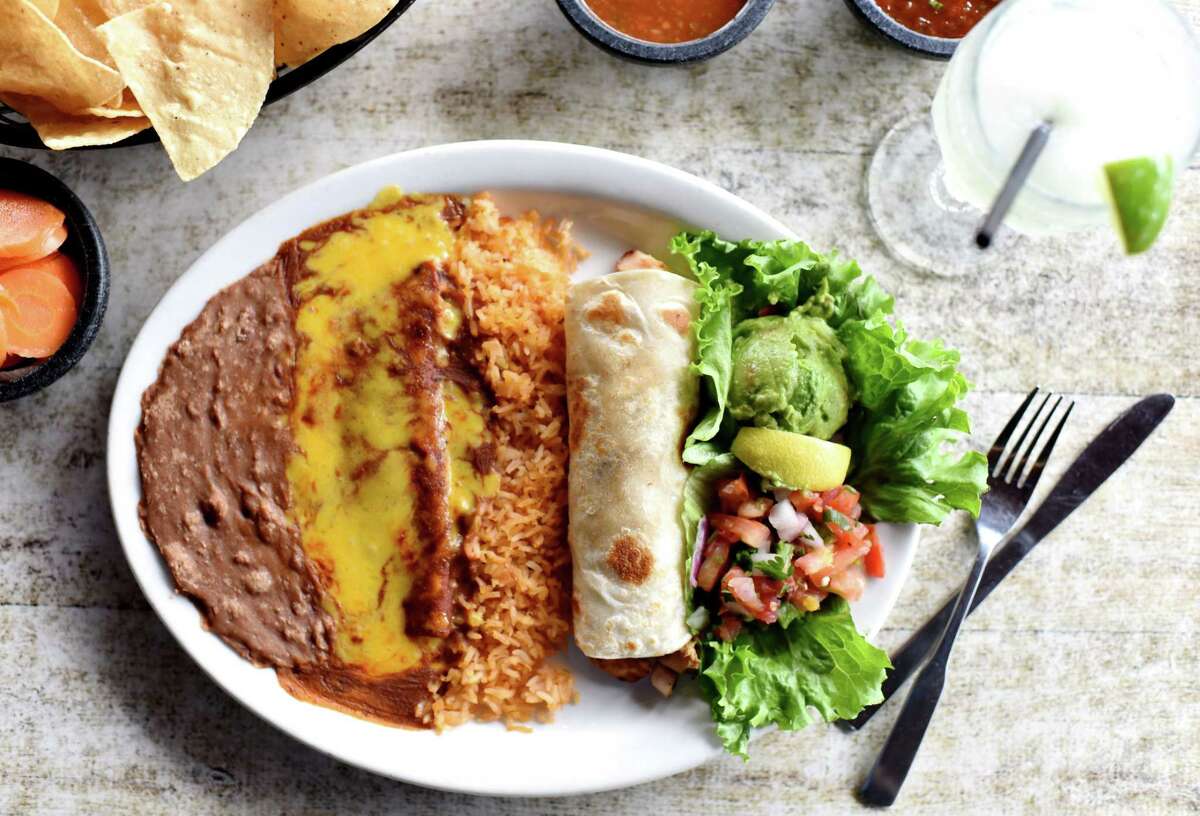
(616, 735)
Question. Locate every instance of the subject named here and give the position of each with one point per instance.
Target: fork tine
(1029, 480)
(1020, 465)
(1002, 440)
(1016, 451)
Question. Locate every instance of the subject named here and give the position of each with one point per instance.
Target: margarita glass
(1116, 79)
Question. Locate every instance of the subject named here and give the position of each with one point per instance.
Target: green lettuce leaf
(714, 345)
(777, 674)
(906, 431)
(904, 427)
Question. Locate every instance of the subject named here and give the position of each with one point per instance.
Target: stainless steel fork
(1011, 481)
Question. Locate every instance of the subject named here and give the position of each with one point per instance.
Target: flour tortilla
(631, 398)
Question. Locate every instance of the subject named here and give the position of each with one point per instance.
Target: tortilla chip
(115, 8)
(79, 20)
(47, 7)
(39, 60)
(305, 28)
(61, 131)
(125, 107)
(199, 70)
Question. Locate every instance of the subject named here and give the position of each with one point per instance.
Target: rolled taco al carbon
(631, 398)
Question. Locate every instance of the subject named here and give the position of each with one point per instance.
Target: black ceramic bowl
(871, 15)
(16, 132)
(631, 48)
(86, 248)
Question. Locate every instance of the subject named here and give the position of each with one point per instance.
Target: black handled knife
(1099, 460)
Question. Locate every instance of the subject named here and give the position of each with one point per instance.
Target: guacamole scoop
(788, 374)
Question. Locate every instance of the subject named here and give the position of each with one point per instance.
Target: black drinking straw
(1013, 184)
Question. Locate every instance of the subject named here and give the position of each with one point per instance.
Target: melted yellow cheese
(352, 477)
(391, 194)
(467, 430)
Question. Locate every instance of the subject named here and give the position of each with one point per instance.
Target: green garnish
(779, 566)
(840, 519)
(935, 5)
(787, 613)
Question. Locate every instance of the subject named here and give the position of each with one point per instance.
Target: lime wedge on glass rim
(1140, 193)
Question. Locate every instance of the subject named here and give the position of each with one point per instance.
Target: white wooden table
(1074, 689)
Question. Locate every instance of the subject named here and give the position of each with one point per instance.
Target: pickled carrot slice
(51, 241)
(25, 223)
(39, 312)
(60, 266)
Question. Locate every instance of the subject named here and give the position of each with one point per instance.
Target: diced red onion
(787, 522)
(811, 537)
(698, 552)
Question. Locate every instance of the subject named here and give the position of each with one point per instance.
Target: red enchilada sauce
(666, 21)
(938, 18)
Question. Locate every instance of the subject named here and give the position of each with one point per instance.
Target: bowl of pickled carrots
(54, 279)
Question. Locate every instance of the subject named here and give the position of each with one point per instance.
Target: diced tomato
(815, 560)
(843, 499)
(843, 557)
(755, 508)
(767, 587)
(806, 501)
(729, 627)
(873, 560)
(716, 556)
(733, 493)
(851, 537)
(848, 538)
(745, 592)
(849, 583)
(753, 533)
(740, 586)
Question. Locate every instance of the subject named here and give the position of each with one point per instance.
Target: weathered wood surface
(1073, 690)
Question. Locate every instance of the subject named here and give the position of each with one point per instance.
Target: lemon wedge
(791, 459)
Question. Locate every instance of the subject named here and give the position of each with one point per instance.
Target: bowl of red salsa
(661, 32)
(929, 28)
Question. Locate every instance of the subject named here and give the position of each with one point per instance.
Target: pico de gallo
(771, 557)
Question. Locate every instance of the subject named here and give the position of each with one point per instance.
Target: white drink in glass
(1118, 79)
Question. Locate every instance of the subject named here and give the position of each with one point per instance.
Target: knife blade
(1099, 460)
